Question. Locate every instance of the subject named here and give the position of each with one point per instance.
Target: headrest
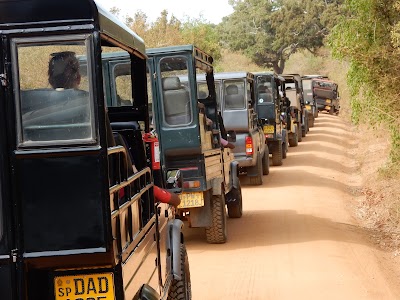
(232, 89)
(171, 83)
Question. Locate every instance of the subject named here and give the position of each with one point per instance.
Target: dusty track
(296, 239)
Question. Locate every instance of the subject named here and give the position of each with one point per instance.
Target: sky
(211, 10)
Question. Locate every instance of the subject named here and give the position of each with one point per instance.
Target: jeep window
(176, 105)
(53, 90)
(202, 90)
(123, 84)
(150, 95)
(264, 92)
(234, 94)
(306, 85)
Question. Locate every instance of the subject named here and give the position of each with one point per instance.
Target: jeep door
(7, 265)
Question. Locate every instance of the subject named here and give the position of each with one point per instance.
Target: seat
(176, 102)
(56, 114)
(233, 100)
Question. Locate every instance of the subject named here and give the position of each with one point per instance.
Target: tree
(202, 34)
(269, 31)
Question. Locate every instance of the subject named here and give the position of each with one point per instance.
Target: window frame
(87, 39)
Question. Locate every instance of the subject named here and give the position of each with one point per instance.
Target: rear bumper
(245, 161)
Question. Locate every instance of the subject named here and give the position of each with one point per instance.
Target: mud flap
(254, 171)
(201, 216)
(174, 241)
(235, 174)
(146, 292)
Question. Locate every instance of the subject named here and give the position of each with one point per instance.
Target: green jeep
(190, 129)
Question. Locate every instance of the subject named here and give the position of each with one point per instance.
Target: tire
(236, 210)
(217, 234)
(294, 142)
(277, 155)
(284, 150)
(303, 133)
(265, 161)
(316, 114)
(258, 180)
(332, 110)
(311, 122)
(300, 134)
(182, 289)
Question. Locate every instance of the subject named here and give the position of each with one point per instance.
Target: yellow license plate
(328, 101)
(327, 107)
(308, 107)
(188, 200)
(85, 286)
(268, 129)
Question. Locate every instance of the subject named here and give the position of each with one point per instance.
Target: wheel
(299, 134)
(258, 180)
(332, 110)
(303, 133)
(265, 161)
(182, 289)
(217, 234)
(284, 150)
(277, 155)
(316, 113)
(311, 122)
(294, 141)
(235, 210)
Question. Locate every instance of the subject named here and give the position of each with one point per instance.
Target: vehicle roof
(203, 59)
(313, 76)
(21, 14)
(233, 75)
(323, 80)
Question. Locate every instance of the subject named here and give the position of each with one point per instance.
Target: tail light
(249, 145)
(191, 184)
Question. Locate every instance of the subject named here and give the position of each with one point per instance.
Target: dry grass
(233, 61)
(378, 201)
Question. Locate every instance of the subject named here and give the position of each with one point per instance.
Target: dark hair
(64, 70)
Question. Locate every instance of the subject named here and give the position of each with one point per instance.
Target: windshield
(53, 99)
(176, 105)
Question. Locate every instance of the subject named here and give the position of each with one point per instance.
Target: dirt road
(296, 239)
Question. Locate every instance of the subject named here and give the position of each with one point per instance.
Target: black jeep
(270, 107)
(78, 217)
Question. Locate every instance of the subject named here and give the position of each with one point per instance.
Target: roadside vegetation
(355, 42)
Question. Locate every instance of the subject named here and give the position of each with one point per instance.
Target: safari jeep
(78, 218)
(326, 95)
(190, 128)
(299, 113)
(311, 105)
(238, 111)
(269, 108)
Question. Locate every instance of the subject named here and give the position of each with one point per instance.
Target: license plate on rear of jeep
(308, 107)
(268, 129)
(188, 200)
(84, 286)
(328, 101)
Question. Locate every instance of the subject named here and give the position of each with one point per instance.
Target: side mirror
(231, 134)
(307, 102)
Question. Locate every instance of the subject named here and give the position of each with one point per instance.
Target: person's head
(64, 70)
